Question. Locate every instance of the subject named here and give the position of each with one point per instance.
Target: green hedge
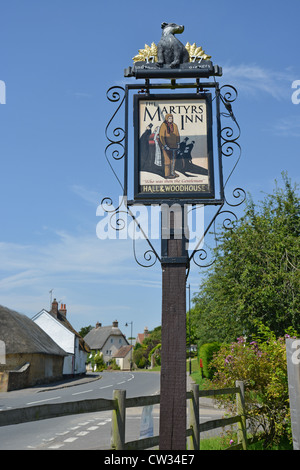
(206, 353)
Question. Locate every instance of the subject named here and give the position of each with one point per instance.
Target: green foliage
(113, 365)
(256, 274)
(155, 352)
(261, 364)
(206, 353)
(85, 330)
(139, 356)
(142, 352)
(96, 359)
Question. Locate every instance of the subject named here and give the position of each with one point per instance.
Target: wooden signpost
(174, 166)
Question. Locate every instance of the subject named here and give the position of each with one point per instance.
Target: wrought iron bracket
(227, 138)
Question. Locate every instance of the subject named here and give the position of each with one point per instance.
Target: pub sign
(173, 147)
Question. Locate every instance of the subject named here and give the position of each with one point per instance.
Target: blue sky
(58, 58)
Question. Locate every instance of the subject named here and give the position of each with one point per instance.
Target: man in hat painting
(170, 139)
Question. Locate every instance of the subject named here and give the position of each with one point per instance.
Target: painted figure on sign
(170, 140)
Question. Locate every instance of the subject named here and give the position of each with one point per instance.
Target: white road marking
(55, 446)
(41, 401)
(79, 393)
(70, 439)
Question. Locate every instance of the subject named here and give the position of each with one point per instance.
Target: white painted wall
(61, 335)
(74, 363)
(111, 346)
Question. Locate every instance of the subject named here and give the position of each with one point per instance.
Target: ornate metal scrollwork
(229, 148)
(115, 149)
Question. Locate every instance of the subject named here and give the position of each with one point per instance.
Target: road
(85, 431)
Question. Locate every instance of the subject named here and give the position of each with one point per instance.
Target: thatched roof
(22, 335)
(97, 337)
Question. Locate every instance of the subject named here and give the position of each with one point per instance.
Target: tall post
(240, 405)
(173, 338)
(118, 420)
(194, 439)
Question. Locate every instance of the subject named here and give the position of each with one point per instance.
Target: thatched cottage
(29, 356)
(106, 340)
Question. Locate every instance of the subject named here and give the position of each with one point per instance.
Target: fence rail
(120, 403)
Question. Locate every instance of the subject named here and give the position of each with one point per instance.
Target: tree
(141, 351)
(85, 330)
(256, 274)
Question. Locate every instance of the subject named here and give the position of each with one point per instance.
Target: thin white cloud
(77, 268)
(92, 197)
(84, 259)
(288, 126)
(67, 254)
(254, 79)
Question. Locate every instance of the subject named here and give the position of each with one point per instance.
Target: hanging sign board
(173, 147)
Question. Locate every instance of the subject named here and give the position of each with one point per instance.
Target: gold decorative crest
(196, 53)
(149, 53)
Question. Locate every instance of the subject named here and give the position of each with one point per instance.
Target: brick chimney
(63, 310)
(54, 309)
(98, 325)
(115, 324)
(146, 332)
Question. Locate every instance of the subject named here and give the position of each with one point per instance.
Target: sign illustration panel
(173, 146)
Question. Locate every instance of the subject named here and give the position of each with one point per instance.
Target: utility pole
(50, 292)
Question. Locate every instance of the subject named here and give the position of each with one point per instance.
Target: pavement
(69, 382)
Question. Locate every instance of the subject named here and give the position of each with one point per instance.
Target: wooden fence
(120, 403)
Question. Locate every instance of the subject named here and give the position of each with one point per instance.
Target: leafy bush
(206, 353)
(99, 361)
(96, 359)
(261, 365)
(140, 357)
(113, 365)
(142, 352)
